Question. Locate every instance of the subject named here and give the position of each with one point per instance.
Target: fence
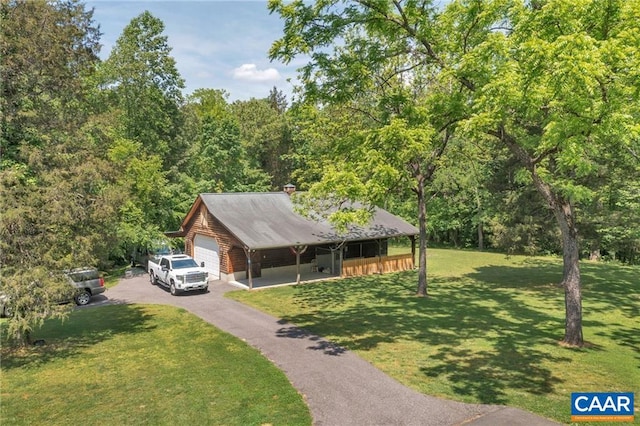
(377, 265)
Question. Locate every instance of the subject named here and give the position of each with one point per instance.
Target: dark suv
(88, 282)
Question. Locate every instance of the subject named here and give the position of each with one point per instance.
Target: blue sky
(216, 44)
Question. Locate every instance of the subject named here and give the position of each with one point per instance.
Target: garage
(205, 249)
(244, 236)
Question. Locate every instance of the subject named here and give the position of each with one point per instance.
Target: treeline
(100, 157)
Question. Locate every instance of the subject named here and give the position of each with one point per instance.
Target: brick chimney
(289, 188)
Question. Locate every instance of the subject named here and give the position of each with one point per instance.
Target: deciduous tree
(266, 136)
(556, 82)
(146, 87)
(219, 161)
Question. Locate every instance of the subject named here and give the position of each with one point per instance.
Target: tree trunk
(594, 254)
(480, 224)
(571, 274)
(565, 216)
(422, 250)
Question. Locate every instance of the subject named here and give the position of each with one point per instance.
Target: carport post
(413, 249)
(298, 250)
(248, 252)
(297, 266)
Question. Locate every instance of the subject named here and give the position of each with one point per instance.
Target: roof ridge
(242, 193)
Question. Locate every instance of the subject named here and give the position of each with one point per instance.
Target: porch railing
(377, 265)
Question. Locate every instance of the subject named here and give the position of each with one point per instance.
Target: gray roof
(268, 220)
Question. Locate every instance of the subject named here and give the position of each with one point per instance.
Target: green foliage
(145, 87)
(219, 159)
(265, 133)
(316, 132)
(47, 49)
(549, 81)
(53, 186)
(33, 295)
(140, 180)
(149, 137)
(335, 199)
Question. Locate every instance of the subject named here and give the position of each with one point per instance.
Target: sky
(216, 44)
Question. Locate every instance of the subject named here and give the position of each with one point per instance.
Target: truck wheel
(153, 279)
(172, 289)
(83, 298)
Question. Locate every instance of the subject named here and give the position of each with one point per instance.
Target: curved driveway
(340, 388)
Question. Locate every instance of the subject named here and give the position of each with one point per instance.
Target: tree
(143, 184)
(218, 158)
(460, 200)
(610, 224)
(407, 127)
(266, 136)
(555, 97)
(53, 183)
(141, 89)
(553, 81)
(277, 100)
(47, 51)
(141, 80)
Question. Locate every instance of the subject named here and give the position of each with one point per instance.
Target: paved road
(340, 388)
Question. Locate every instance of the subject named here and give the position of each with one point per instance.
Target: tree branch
(543, 155)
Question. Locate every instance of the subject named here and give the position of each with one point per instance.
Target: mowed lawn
(489, 331)
(143, 364)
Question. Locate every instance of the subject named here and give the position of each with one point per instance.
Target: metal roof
(268, 220)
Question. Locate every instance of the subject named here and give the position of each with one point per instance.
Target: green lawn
(135, 365)
(488, 332)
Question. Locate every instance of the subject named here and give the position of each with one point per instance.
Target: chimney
(289, 188)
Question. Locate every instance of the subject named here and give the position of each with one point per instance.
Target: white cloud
(250, 72)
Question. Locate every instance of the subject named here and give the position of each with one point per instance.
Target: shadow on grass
(604, 288)
(84, 328)
(482, 338)
(486, 375)
(603, 284)
(490, 334)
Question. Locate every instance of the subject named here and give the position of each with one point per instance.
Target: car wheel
(153, 279)
(172, 288)
(205, 290)
(83, 298)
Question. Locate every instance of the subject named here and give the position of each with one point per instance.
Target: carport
(283, 278)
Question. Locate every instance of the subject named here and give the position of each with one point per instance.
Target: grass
(142, 364)
(489, 331)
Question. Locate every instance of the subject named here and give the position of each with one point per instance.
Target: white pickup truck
(179, 273)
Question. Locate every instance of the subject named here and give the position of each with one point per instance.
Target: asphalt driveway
(340, 388)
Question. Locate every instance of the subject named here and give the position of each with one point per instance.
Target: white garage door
(205, 249)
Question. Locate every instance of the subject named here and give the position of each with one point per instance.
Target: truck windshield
(184, 263)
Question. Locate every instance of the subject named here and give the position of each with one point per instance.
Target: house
(242, 237)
